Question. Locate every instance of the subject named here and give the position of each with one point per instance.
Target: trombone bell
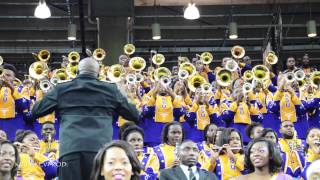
(45, 85)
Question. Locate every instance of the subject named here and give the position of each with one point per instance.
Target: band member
(254, 130)
(48, 145)
(290, 64)
(307, 68)
(9, 161)
(3, 135)
(172, 136)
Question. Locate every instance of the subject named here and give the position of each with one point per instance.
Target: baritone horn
(161, 71)
(299, 75)
(137, 63)
(73, 57)
(158, 59)
(315, 79)
(224, 77)
(248, 75)
(115, 73)
(99, 54)
(231, 65)
(206, 57)
(129, 49)
(189, 67)
(206, 88)
(260, 72)
(238, 52)
(38, 70)
(183, 74)
(196, 82)
(271, 58)
(44, 55)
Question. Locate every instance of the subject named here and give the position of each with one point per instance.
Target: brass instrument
(183, 74)
(115, 73)
(59, 75)
(248, 75)
(231, 65)
(38, 70)
(1, 60)
(73, 57)
(72, 69)
(260, 72)
(17, 82)
(224, 77)
(315, 79)
(1, 72)
(247, 87)
(206, 57)
(44, 55)
(195, 82)
(165, 81)
(301, 83)
(238, 52)
(290, 77)
(48, 148)
(189, 67)
(161, 71)
(182, 59)
(271, 58)
(206, 88)
(45, 85)
(137, 63)
(129, 49)
(299, 75)
(131, 79)
(99, 54)
(139, 77)
(158, 59)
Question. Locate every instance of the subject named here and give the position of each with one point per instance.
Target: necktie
(191, 175)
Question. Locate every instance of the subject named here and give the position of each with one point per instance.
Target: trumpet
(44, 55)
(238, 52)
(206, 57)
(231, 65)
(72, 69)
(271, 58)
(183, 74)
(139, 77)
(315, 79)
(137, 63)
(260, 72)
(115, 73)
(247, 87)
(165, 81)
(158, 59)
(73, 57)
(38, 70)
(161, 71)
(224, 77)
(206, 88)
(248, 75)
(189, 67)
(131, 79)
(129, 49)
(196, 82)
(290, 77)
(299, 75)
(45, 85)
(99, 54)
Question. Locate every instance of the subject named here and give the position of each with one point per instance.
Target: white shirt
(185, 170)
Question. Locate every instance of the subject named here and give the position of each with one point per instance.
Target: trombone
(137, 63)
(99, 54)
(129, 49)
(290, 77)
(131, 79)
(165, 81)
(158, 59)
(238, 52)
(44, 55)
(206, 57)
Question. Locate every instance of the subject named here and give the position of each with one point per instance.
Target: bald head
(88, 66)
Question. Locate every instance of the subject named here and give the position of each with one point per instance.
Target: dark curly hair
(224, 138)
(14, 170)
(99, 160)
(307, 134)
(274, 153)
(165, 131)
(131, 129)
(265, 131)
(21, 134)
(250, 128)
(205, 131)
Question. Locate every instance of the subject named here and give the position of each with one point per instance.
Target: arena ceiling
(21, 33)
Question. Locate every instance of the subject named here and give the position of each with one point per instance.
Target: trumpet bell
(231, 65)
(161, 71)
(137, 63)
(247, 87)
(196, 82)
(45, 85)
(248, 75)
(299, 75)
(131, 79)
(129, 49)
(206, 88)
(315, 79)
(115, 73)
(238, 52)
(206, 57)
(73, 57)
(224, 77)
(189, 67)
(139, 77)
(271, 58)
(38, 70)
(99, 54)
(158, 59)
(260, 72)
(165, 81)
(72, 69)
(183, 74)
(44, 55)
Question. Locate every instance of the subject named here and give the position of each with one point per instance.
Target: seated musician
(48, 145)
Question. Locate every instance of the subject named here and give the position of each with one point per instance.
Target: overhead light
(156, 31)
(312, 28)
(191, 12)
(42, 11)
(233, 30)
(72, 32)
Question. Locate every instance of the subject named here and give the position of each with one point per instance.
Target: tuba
(224, 77)
(189, 67)
(129, 49)
(248, 75)
(231, 65)
(137, 63)
(44, 55)
(38, 70)
(158, 59)
(260, 72)
(206, 57)
(238, 52)
(271, 58)
(161, 71)
(196, 82)
(99, 54)
(73, 57)
(315, 79)
(115, 73)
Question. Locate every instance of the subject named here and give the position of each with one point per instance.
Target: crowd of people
(234, 121)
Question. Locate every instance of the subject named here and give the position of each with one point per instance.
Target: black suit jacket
(176, 173)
